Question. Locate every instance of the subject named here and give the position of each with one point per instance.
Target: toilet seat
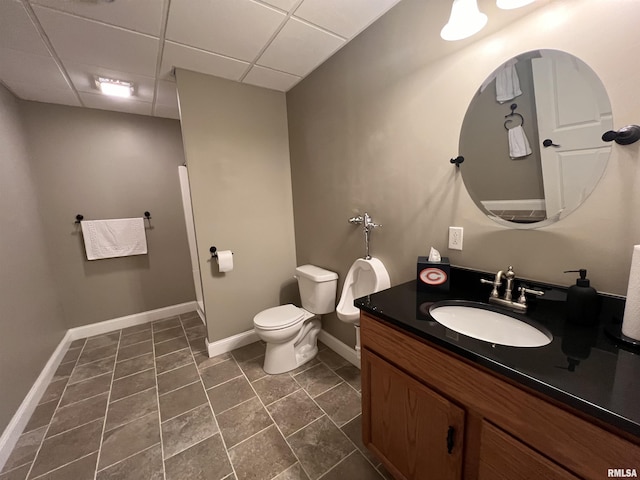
(279, 317)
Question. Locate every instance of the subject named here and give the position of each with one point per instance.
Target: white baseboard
(345, 351)
(20, 419)
(131, 320)
(245, 338)
(230, 343)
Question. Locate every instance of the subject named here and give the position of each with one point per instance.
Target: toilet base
(284, 357)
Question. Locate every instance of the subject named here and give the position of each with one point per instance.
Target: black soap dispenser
(582, 301)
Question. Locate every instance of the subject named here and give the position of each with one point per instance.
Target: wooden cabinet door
(502, 457)
(417, 433)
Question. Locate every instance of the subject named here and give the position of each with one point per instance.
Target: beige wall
(110, 165)
(31, 319)
(374, 128)
(236, 146)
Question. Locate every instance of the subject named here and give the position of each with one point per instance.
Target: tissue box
(433, 276)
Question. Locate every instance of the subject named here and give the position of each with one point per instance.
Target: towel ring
(513, 114)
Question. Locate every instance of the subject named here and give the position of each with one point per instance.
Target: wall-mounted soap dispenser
(582, 301)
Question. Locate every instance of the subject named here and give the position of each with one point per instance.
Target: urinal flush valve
(368, 224)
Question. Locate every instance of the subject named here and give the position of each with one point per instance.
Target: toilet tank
(317, 288)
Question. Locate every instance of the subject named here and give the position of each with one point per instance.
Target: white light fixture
(512, 4)
(114, 88)
(465, 20)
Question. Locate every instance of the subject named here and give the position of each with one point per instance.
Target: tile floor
(147, 403)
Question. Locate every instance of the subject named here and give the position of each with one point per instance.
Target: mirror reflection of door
(563, 102)
(573, 111)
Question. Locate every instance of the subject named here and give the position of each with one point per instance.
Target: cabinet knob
(450, 437)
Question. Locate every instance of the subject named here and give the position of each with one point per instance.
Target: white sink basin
(479, 321)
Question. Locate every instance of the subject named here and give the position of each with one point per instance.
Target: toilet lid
(278, 317)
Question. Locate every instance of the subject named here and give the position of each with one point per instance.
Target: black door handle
(450, 436)
(549, 143)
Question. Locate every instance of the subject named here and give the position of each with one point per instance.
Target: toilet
(291, 332)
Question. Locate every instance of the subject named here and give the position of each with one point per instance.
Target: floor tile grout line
(215, 419)
(275, 424)
(222, 383)
(155, 367)
(231, 408)
(287, 395)
(251, 436)
(132, 374)
(193, 444)
(35, 457)
(98, 470)
(62, 466)
(74, 428)
(339, 428)
(128, 396)
(339, 462)
(174, 390)
(106, 412)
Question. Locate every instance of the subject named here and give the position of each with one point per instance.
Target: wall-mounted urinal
(365, 276)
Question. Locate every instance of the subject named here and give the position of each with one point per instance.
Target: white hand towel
(114, 238)
(518, 143)
(507, 82)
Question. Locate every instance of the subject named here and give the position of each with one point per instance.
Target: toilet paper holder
(214, 252)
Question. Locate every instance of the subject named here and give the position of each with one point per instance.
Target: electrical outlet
(455, 238)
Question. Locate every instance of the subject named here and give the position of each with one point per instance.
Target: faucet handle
(494, 292)
(522, 299)
(356, 220)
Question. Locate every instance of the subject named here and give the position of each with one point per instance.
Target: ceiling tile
(85, 41)
(140, 15)
(267, 78)
(166, 112)
(116, 104)
(36, 70)
(176, 55)
(34, 77)
(45, 95)
(299, 48)
(238, 28)
(167, 94)
(344, 18)
(83, 78)
(285, 5)
(17, 31)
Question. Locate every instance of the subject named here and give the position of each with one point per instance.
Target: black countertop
(582, 367)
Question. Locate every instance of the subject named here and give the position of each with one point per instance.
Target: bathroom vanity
(441, 405)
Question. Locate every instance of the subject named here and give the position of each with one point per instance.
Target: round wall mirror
(532, 139)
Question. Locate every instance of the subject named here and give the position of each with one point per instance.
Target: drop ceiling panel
(83, 78)
(299, 48)
(85, 41)
(17, 31)
(37, 70)
(126, 105)
(176, 55)
(139, 15)
(235, 28)
(285, 5)
(267, 78)
(34, 77)
(346, 18)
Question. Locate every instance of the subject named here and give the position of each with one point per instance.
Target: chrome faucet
(520, 305)
(369, 225)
